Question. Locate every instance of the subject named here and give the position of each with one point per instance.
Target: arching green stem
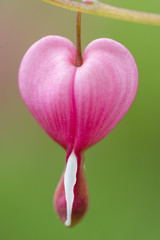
(105, 10)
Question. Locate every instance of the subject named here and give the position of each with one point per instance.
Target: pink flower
(77, 106)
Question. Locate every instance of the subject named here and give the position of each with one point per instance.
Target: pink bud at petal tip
(77, 106)
(71, 196)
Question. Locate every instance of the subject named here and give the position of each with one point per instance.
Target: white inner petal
(69, 183)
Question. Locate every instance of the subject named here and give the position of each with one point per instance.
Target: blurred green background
(123, 170)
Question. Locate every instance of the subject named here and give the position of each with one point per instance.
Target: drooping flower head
(77, 106)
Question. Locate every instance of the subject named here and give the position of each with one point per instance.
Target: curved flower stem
(105, 10)
(79, 60)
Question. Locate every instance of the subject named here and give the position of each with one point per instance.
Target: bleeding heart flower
(77, 106)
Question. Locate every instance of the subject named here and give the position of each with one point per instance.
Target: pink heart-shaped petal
(104, 88)
(46, 85)
(77, 106)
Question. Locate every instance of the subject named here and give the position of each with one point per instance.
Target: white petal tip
(69, 183)
(67, 223)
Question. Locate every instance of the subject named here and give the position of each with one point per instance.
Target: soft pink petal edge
(46, 78)
(102, 103)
